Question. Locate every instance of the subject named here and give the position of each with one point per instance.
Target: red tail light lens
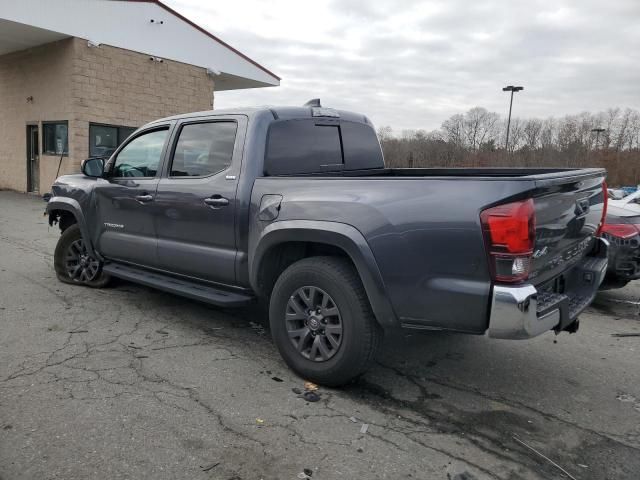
(510, 236)
(620, 230)
(605, 193)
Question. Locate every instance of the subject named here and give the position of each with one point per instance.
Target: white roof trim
(128, 25)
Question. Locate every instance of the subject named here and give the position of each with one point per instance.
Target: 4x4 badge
(541, 252)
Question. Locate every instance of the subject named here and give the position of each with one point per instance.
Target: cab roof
(276, 112)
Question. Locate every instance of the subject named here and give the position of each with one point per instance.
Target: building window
(105, 139)
(55, 138)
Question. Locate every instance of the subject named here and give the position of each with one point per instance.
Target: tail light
(620, 230)
(509, 232)
(605, 194)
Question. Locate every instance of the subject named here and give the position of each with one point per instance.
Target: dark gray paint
(134, 237)
(124, 212)
(413, 234)
(196, 238)
(424, 234)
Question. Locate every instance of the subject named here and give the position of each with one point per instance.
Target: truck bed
(461, 173)
(528, 173)
(424, 228)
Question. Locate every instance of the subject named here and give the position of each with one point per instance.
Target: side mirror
(93, 167)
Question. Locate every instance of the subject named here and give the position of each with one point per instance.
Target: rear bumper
(524, 311)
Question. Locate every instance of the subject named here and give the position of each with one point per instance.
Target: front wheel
(321, 321)
(73, 263)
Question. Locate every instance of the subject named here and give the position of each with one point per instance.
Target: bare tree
(477, 137)
(516, 134)
(549, 133)
(611, 120)
(633, 132)
(454, 130)
(532, 133)
(585, 123)
(622, 130)
(479, 127)
(385, 133)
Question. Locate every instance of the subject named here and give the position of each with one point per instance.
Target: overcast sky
(412, 64)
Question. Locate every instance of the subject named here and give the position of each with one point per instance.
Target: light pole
(512, 89)
(598, 131)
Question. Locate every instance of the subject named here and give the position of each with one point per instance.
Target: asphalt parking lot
(128, 382)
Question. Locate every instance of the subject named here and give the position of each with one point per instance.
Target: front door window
(141, 156)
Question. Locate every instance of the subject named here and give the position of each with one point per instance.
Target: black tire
(612, 281)
(71, 243)
(360, 332)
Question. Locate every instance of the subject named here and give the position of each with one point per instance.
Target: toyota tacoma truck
(293, 207)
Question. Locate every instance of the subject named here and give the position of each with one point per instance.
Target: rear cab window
(304, 146)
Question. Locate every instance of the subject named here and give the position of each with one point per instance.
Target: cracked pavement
(128, 382)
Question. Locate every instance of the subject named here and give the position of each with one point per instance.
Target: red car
(622, 230)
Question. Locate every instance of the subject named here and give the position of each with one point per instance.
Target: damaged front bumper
(524, 311)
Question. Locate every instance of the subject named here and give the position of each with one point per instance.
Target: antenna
(314, 102)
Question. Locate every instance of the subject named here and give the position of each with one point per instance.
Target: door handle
(216, 201)
(144, 198)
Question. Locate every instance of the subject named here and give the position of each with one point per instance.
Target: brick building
(74, 86)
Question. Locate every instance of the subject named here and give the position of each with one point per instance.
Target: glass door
(33, 159)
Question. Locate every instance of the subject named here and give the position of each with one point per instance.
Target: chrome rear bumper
(514, 313)
(521, 312)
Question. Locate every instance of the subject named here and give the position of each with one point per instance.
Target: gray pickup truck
(293, 207)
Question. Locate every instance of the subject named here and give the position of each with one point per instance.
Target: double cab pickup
(293, 208)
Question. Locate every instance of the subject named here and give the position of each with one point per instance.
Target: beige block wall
(87, 84)
(121, 87)
(44, 74)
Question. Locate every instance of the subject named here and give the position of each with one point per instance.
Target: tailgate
(568, 213)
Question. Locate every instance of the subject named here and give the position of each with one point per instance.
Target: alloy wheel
(80, 266)
(314, 324)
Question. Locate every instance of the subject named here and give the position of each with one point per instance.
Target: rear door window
(203, 149)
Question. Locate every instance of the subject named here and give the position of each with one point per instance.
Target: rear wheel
(73, 263)
(322, 322)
